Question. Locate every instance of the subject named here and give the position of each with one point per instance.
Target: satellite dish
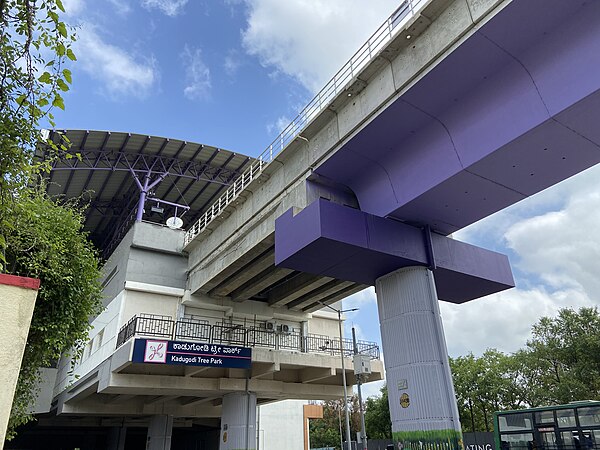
(174, 223)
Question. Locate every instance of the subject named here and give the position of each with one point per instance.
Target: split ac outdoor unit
(285, 329)
(270, 326)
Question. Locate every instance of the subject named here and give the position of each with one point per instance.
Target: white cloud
(197, 74)
(169, 7)
(563, 246)
(310, 41)
(73, 7)
(120, 73)
(360, 298)
(232, 62)
(122, 7)
(278, 125)
(503, 320)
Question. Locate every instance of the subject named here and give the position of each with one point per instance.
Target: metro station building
(168, 360)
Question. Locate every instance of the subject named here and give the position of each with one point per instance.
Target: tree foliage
(377, 417)
(34, 46)
(40, 237)
(47, 243)
(325, 432)
(560, 364)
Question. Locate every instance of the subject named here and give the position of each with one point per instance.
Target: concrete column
(421, 394)
(116, 438)
(238, 422)
(159, 432)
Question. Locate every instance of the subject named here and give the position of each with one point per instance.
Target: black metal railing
(147, 325)
(195, 329)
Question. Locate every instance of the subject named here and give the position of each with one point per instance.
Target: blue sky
(232, 73)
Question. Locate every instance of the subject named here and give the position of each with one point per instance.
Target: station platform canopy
(109, 171)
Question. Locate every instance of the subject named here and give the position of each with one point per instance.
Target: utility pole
(339, 314)
(348, 435)
(360, 402)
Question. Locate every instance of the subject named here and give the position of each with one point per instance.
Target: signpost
(156, 351)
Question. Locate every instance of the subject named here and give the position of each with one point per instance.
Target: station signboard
(157, 351)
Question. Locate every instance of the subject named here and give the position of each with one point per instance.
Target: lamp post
(339, 313)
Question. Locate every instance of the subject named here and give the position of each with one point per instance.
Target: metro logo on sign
(156, 352)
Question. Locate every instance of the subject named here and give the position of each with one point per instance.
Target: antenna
(174, 223)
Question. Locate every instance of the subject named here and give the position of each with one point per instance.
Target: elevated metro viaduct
(466, 107)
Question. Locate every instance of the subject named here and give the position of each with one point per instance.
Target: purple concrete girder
(552, 30)
(332, 240)
(508, 113)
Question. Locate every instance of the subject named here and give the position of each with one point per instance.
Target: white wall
(324, 322)
(101, 344)
(280, 425)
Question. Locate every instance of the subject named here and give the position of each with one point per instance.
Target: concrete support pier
(116, 438)
(159, 432)
(238, 422)
(421, 394)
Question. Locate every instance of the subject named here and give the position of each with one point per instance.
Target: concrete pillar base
(238, 422)
(421, 394)
(159, 433)
(116, 438)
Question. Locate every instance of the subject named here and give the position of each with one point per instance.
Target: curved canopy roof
(110, 170)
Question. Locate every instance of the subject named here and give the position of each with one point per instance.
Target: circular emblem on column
(404, 400)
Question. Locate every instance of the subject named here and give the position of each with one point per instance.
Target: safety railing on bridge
(335, 86)
(195, 329)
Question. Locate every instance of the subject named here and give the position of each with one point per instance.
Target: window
(521, 441)
(98, 340)
(544, 417)
(589, 416)
(515, 422)
(565, 418)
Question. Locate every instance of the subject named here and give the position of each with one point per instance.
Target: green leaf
(67, 75)
(62, 29)
(60, 5)
(62, 85)
(53, 16)
(60, 49)
(71, 55)
(45, 78)
(58, 102)
(42, 102)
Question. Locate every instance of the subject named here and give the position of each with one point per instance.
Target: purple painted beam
(333, 240)
(510, 112)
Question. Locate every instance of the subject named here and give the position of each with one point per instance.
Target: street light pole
(348, 436)
(360, 402)
(347, 416)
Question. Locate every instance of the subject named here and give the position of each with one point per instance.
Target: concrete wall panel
(441, 34)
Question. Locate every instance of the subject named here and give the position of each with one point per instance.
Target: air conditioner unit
(285, 329)
(270, 326)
